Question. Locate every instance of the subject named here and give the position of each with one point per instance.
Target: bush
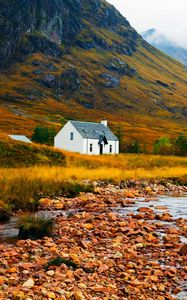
(44, 135)
(181, 144)
(35, 227)
(58, 261)
(135, 147)
(5, 211)
(163, 146)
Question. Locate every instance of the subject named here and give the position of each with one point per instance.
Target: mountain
(160, 41)
(81, 59)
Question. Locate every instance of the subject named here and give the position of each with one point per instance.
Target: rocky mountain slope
(81, 59)
(160, 41)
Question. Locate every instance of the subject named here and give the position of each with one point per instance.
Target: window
(91, 147)
(71, 136)
(110, 148)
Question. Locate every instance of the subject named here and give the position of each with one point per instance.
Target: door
(101, 149)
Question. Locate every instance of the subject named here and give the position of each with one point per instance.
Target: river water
(176, 206)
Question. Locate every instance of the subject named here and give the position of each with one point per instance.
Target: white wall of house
(89, 144)
(87, 147)
(114, 147)
(63, 139)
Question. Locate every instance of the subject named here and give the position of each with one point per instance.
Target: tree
(163, 146)
(44, 135)
(181, 143)
(135, 147)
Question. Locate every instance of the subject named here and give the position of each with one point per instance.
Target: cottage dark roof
(91, 130)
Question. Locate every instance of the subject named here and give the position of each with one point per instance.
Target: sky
(168, 16)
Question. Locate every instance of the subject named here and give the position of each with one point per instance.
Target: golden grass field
(21, 188)
(123, 166)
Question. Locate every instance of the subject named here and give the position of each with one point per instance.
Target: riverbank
(122, 242)
(21, 188)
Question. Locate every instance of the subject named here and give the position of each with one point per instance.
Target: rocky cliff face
(48, 26)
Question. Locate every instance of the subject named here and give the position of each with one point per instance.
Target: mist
(169, 17)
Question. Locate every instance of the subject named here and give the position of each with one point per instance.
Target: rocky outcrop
(49, 81)
(110, 81)
(68, 81)
(120, 67)
(28, 26)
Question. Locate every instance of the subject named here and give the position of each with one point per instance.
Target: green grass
(15, 154)
(35, 227)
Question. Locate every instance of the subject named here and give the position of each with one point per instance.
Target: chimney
(104, 122)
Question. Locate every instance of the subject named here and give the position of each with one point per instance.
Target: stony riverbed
(127, 243)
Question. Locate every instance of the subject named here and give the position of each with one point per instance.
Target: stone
(145, 210)
(49, 81)
(18, 295)
(51, 67)
(36, 63)
(37, 72)
(79, 296)
(118, 255)
(70, 80)
(51, 295)
(29, 283)
(183, 250)
(50, 273)
(120, 67)
(161, 288)
(171, 239)
(110, 80)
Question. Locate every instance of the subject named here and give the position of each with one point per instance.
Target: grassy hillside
(107, 70)
(142, 107)
(15, 154)
(32, 161)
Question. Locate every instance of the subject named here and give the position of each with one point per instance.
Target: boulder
(36, 63)
(49, 81)
(37, 72)
(70, 80)
(120, 67)
(110, 80)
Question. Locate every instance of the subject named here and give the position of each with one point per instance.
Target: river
(176, 206)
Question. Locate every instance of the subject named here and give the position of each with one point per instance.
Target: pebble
(29, 283)
(114, 256)
(50, 273)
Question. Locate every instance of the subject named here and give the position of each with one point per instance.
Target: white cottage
(87, 138)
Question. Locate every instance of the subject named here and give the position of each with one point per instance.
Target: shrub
(59, 260)
(181, 144)
(163, 146)
(135, 147)
(44, 135)
(5, 211)
(35, 227)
